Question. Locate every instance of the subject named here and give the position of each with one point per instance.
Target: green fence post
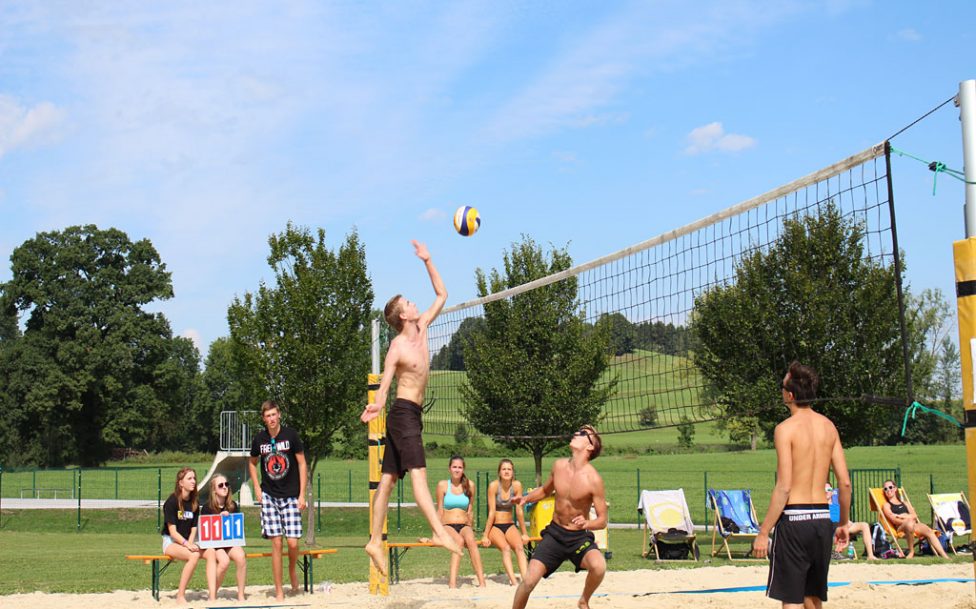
(159, 498)
(34, 482)
(1, 496)
(638, 495)
(350, 486)
(931, 492)
(116, 483)
(318, 503)
(705, 511)
(477, 509)
(399, 501)
(79, 498)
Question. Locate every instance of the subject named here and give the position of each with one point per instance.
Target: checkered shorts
(280, 515)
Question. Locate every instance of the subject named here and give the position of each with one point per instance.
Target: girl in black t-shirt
(218, 559)
(180, 527)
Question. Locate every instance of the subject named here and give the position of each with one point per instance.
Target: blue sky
(205, 127)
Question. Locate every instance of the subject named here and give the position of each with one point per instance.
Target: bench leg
(155, 580)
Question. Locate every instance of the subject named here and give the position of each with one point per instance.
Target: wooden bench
(305, 564)
(397, 549)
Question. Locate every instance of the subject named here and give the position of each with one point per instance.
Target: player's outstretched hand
(370, 412)
(421, 250)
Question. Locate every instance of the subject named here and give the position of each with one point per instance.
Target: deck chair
(667, 525)
(735, 519)
(952, 516)
(877, 499)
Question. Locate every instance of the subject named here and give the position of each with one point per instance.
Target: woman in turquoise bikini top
(455, 506)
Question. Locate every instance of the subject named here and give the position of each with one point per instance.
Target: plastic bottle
(850, 551)
(325, 587)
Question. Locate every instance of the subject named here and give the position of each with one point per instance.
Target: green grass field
(63, 559)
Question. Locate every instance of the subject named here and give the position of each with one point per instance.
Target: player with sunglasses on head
(577, 487)
(281, 491)
(902, 516)
(218, 559)
(807, 447)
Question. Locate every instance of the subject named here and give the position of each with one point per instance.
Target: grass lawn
(62, 559)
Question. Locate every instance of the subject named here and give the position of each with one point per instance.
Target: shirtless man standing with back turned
(577, 486)
(409, 360)
(807, 446)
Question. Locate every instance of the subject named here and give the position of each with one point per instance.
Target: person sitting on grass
(500, 528)
(902, 516)
(218, 559)
(455, 507)
(864, 529)
(180, 527)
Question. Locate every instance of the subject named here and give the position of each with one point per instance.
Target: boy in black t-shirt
(281, 491)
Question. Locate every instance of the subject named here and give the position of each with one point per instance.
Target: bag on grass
(879, 541)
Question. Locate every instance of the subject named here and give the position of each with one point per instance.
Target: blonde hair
(212, 500)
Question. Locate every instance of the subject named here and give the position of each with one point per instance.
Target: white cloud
(713, 137)
(908, 35)
(21, 126)
(433, 215)
(194, 337)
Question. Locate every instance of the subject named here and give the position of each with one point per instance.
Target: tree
(82, 378)
(225, 387)
(533, 366)
(621, 332)
(811, 296)
(451, 355)
(306, 339)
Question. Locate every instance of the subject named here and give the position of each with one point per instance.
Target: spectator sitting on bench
(218, 559)
(500, 528)
(455, 505)
(180, 527)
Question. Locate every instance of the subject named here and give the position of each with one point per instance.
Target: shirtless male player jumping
(408, 359)
(577, 486)
(807, 446)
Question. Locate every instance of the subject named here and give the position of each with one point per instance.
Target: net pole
(964, 256)
(375, 440)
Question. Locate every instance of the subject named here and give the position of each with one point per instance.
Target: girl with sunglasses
(500, 528)
(902, 515)
(218, 559)
(180, 527)
(455, 506)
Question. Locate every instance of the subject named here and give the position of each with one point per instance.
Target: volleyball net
(647, 295)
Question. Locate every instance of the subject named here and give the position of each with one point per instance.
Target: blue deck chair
(735, 519)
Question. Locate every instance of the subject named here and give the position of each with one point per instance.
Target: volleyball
(466, 220)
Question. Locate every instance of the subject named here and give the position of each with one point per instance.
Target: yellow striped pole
(964, 254)
(378, 584)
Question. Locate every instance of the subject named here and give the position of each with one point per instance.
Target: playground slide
(233, 466)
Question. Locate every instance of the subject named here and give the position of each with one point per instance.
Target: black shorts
(800, 553)
(560, 544)
(404, 444)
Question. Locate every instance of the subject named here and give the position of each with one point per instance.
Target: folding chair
(952, 516)
(877, 500)
(735, 519)
(667, 522)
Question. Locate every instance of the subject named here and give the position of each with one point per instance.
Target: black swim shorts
(560, 544)
(799, 556)
(404, 444)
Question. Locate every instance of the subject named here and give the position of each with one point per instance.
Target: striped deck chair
(952, 516)
(735, 519)
(877, 499)
(667, 522)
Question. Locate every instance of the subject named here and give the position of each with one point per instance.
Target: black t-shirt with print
(279, 470)
(184, 521)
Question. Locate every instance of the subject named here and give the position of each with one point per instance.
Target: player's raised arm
(428, 316)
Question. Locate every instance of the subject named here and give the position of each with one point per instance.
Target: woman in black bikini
(902, 515)
(500, 528)
(455, 506)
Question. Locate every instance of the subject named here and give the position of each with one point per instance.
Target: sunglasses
(222, 485)
(583, 432)
(889, 488)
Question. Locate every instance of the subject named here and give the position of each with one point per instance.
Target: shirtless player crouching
(408, 359)
(577, 487)
(807, 446)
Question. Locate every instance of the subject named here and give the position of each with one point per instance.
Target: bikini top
(503, 504)
(453, 501)
(898, 508)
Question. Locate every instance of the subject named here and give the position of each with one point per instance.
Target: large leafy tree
(812, 296)
(85, 375)
(306, 338)
(533, 365)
